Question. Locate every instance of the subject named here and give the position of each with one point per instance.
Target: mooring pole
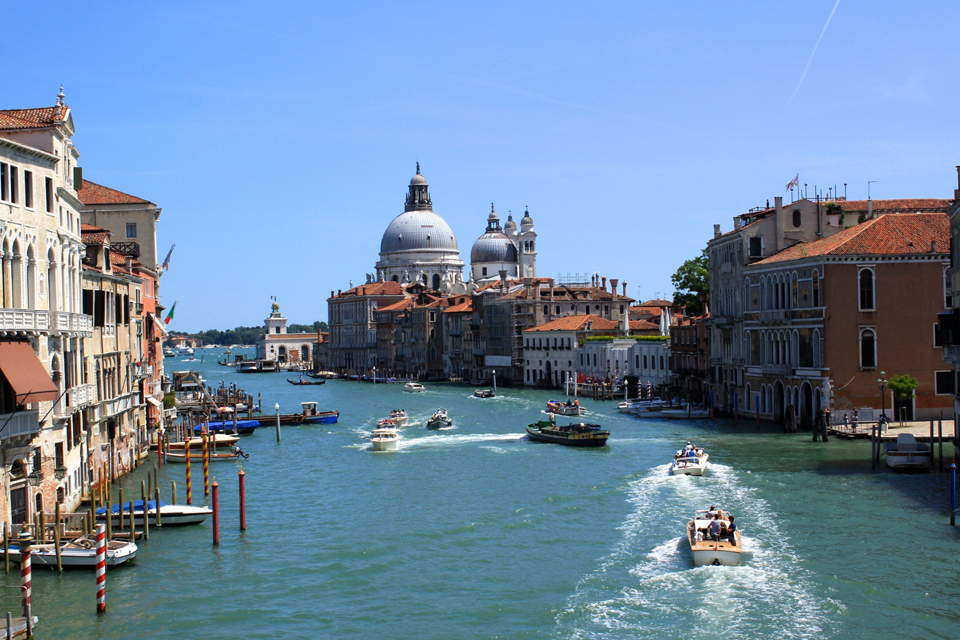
(216, 513)
(101, 569)
(953, 492)
(243, 500)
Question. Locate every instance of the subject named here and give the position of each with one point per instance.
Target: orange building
(824, 321)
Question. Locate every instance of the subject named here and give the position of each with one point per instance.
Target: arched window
(796, 217)
(868, 348)
(816, 289)
(763, 398)
(436, 281)
(866, 290)
(661, 362)
(60, 495)
(794, 292)
(558, 309)
(396, 278)
(816, 349)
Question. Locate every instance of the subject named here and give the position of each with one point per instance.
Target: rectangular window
(131, 229)
(28, 189)
(945, 382)
(48, 192)
(756, 247)
(936, 336)
(4, 181)
(14, 185)
(58, 452)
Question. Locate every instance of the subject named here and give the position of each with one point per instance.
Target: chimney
(603, 279)
(956, 192)
(778, 222)
(331, 293)
(528, 288)
(613, 286)
(716, 231)
(129, 263)
(933, 247)
(624, 289)
(503, 280)
(736, 223)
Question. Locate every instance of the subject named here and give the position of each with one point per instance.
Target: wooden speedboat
(302, 382)
(710, 552)
(692, 465)
(170, 514)
(80, 553)
(907, 454)
(574, 435)
(629, 406)
(647, 407)
(385, 438)
(414, 387)
(483, 393)
(566, 409)
(439, 420)
(399, 416)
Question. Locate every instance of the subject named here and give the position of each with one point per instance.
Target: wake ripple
(647, 586)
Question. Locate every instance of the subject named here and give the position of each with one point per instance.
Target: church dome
(511, 227)
(493, 246)
(419, 229)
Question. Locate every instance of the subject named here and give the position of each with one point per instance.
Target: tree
(903, 387)
(692, 282)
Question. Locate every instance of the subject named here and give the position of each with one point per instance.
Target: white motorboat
(712, 552)
(78, 553)
(565, 409)
(170, 514)
(414, 387)
(385, 439)
(685, 414)
(221, 440)
(399, 416)
(907, 453)
(691, 465)
(646, 407)
(631, 405)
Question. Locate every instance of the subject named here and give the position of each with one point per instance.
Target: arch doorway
(806, 405)
(778, 401)
(549, 373)
(282, 354)
(304, 353)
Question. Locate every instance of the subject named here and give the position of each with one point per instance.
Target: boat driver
(715, 528)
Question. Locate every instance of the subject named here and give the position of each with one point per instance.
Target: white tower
(276, 324)
(527, 242)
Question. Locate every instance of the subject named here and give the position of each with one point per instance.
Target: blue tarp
(137, 506)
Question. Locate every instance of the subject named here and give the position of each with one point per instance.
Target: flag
(172, 309)
(166, 263)
(790, 185)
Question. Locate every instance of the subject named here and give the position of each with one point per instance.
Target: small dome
(511, 227)
(417, 180)
(493, 246)
(275, 306)
(526, 223)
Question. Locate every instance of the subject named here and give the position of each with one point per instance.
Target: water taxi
(414, 387)
(685, 414)
(399, 416)
(385, 438)
(906, 453)
(574, 435)
(712, 552)
(78, 553)
(439, 420)
(689, 461)
(565, 409)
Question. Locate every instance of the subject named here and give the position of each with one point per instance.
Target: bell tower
(527, 244)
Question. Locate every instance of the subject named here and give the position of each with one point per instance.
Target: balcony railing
(75, 323)
(24, 320)
(21, 423)
(119, 404)
(775, 369)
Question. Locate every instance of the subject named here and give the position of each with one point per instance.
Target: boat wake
(647, 586)
(454, 440)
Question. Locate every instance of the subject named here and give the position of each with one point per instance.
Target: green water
(476, 532)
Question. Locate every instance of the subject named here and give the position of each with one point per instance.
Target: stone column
(8, 280)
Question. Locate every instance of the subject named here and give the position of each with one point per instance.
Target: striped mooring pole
(216, 513)
(101, 569)
(206, 465)
(25, 580)
(186, 459)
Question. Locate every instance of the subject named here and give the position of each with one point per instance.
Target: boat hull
(72, 557)
(439, 423)
(198, 457)
(539, 436)
(383, 444)
(685, 466)
(683, 414)
(709, 552)
(908, 460)
(170, 516)
(702, 557)
(328, 418)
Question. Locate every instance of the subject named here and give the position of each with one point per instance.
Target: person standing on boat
(732, 531)
(715, 528)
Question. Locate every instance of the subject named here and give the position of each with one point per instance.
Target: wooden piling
(6, 549)
(56, 534)
(42, 528)
(146, 520)
(939, 442)
(109, 521)
(173, 492)
(123, 518)
(216, 513)
(157, 498)
(873, 448)
(133, 523)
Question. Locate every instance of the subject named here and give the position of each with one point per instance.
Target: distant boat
(414, 387)
(483, 393)
(685, 464)
(574, 435)
(572, 409)
(312, 416)
(400, 416)
(685, 414)
(306, 382)
(439, 420)
(385, 438)
(197, 456)
(244, 427)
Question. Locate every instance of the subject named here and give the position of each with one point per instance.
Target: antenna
(844, 190)
(869, 182)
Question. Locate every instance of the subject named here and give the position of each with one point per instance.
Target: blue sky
(279, 138)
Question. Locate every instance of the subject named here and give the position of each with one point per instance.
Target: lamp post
(494, 380)
(882, 383)
(276, 407)
(374, 375)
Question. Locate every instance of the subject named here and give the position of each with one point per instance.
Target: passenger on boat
(712, 512)
(715, 528)
(689, 446)
(731, 531)
(699, 535)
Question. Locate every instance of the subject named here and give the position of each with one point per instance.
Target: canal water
(476, 532)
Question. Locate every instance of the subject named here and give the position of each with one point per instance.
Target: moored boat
(220, 440)
(311, 415)
(244, 427)
(483, 393)
(574, 435)
(907, 454)
(197, 456)
(712, 552)
(685, 414)
(414, 387)
(79, 553)
(170, 514)
(385, 438)
(565, 409)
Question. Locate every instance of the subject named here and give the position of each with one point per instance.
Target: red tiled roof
(396, 306)
(889, 234)
(577, 323)
(643, 325)
(657, 302)
(93, 193)
(121, 259)
(903, 205)
(12, 119)
(388, 288)
(93, 235)
(460, 308)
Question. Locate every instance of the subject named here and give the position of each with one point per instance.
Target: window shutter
(78, 178)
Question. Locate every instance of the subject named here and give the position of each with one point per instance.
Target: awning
(23, 370)
(155, 402)
(156, 321)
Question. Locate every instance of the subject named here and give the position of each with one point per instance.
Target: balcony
(75, 324)
(24, 321)
(774, 315)
(131, 249)
(77, 397)
(21, 423)
(119, 404)
(775, 369)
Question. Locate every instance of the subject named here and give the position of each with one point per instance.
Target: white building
(504, 250)
(277, 344)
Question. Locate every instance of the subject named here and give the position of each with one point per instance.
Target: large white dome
(418, 230)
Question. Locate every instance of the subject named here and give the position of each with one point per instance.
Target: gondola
(306, 382)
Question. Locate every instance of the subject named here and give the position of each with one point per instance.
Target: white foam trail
(649, 589)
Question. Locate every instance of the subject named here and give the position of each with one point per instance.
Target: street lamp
(882, 383)
(276, 407)
(494, 380)
(374, 375)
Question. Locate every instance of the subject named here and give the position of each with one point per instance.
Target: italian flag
(170, 315)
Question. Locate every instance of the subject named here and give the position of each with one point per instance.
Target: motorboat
(78, 553)
(712, 552)
(243, 427)
(574, 435)
(439, 420)
(385, 438)
(907, 454)
(196, 456)
(220, 440)
(646, 407)
(399, 416)
(691, 462)
(483, 393)
(312, 416)
(565, 409)
(387, 423)
(685, 414)
(631, 405)
(247, 366)
(170, 514)
(414, 387)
